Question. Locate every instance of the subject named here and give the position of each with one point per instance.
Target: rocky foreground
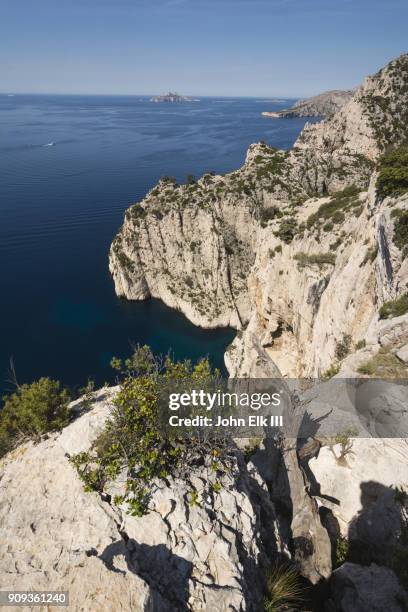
(212, 554)
(304, 253)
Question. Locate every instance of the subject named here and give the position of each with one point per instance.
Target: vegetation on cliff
(32, 410)
(393, 172)
(136, 442)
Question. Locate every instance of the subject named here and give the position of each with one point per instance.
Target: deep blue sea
(61, 205)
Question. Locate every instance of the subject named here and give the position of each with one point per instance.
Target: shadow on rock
(374, 531)
(167, 574)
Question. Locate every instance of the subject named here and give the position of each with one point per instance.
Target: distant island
(173, 97)
(323, 105)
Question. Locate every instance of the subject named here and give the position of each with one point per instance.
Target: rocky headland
(296, 249)
(323, 105)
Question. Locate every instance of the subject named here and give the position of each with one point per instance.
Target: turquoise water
(61, 205)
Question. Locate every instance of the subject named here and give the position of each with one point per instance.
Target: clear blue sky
(203, 47)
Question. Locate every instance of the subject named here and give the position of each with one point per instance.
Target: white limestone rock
(403, 353)
(342, 479)
(179, 556)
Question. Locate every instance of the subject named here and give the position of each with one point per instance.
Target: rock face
(370, 469)
(181, 556)
(323, 105)
(295, 248)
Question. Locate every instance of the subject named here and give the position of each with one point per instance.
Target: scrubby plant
(343, 347)
(385, 365)
(393, 172)
(342, 551)
(328, 227)
(400, 234)
(394, 308)
(87, 394)
(169, 179)
(305, 259)
(332, 212)
(370, 256)
(32, 410)
(284, 589)
(367, 368)
(360, 345)
(126, 263)
(330, 372)
(287, 229)
(137, 444)
(251, 448)
(138, 212)
(267, 214)
(345, 439)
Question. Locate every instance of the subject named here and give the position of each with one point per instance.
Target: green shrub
(332, 371)
(360, 345)
(400, 235)
(319, 259)
(367, 368)
(251, 448)
(267, 214)
(370, 255)
(125, 261)
(345, 440)
(342, 551)
(332, 212)
(384, 365)
(168, 179)
(32, 410)
(87, 394)
(287, 230)
(394, 308)
(343, 347)
(136, 440)
(393, 173)
(137, 212)
(268, 166)
(284, 589)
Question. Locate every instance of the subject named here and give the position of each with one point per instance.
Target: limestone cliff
(295, 248)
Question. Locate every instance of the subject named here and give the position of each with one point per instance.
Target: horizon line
(142, 95)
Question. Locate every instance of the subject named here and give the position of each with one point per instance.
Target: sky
(280, 48)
